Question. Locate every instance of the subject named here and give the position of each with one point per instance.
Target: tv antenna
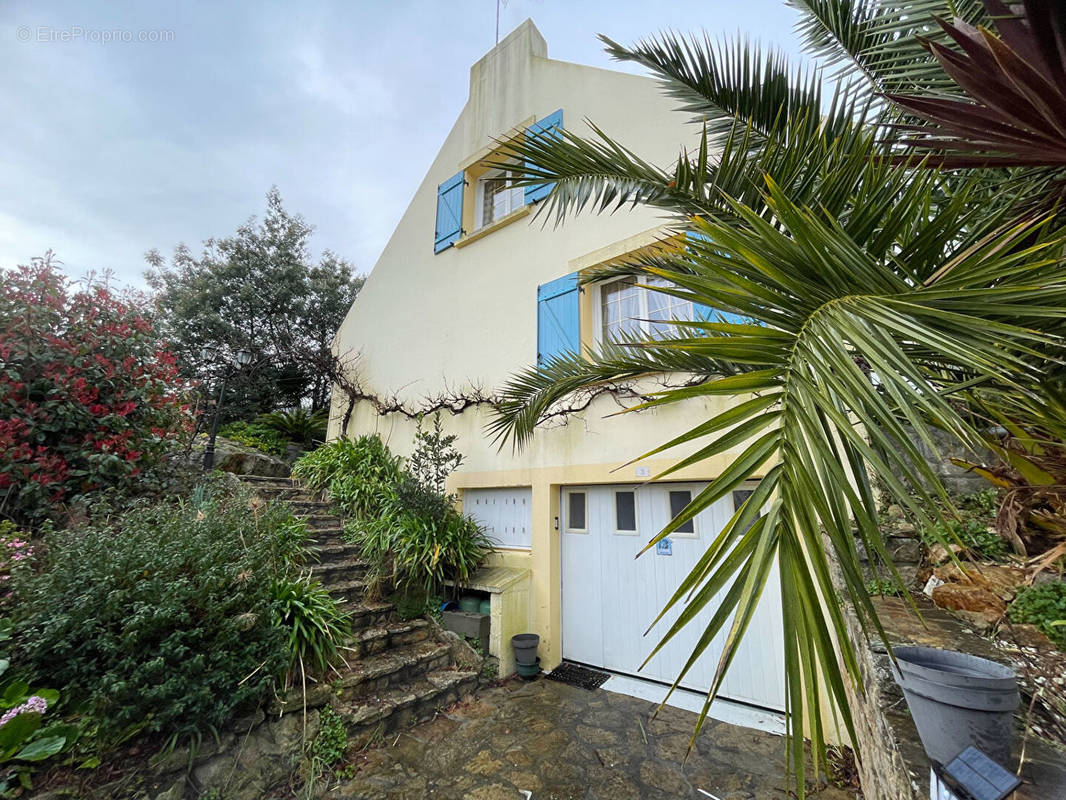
(498, 4)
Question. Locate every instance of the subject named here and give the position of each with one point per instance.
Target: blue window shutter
(549, 126)
(558, 318)
(449, 213)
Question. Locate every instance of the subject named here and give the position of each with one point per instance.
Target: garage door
(504, 514)
(610, 598)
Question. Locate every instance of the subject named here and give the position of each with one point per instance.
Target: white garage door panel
(504, 514)
(610, 598)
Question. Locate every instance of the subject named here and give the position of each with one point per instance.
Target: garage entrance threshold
(733, 713)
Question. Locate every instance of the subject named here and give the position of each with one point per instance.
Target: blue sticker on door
(664, 547)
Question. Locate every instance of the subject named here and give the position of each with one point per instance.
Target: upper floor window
(497, 196)
(469, 202)
(629, 308)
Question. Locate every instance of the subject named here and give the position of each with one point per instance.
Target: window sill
(470, 238)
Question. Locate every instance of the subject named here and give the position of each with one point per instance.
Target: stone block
(959, 597)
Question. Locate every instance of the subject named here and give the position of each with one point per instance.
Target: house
(471, 288)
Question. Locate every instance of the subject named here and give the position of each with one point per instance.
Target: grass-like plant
(312, 620)
(359, 474)
(419, 541)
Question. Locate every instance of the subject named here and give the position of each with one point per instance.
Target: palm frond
(599, 174)
(723, 84)
(878, 38)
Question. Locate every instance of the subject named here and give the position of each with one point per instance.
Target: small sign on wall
(643, 472)
(664, 547)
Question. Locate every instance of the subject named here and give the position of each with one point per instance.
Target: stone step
(390, 669)
(334, 541)
(402, 707)
(346, 569)
(371, 641)
(310, 507)
(327, 538)
(290, 494)
(365, 614)
(335, 550)
(327, 531)
(341, 587)
(265, 480)
(318, 522)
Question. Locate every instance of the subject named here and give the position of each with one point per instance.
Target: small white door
(610, 598)
(504, 514)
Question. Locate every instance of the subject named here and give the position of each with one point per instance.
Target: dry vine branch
(341, 369)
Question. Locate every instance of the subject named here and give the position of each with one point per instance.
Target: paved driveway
(562, 743)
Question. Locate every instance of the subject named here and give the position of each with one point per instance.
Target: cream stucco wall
(467, 317)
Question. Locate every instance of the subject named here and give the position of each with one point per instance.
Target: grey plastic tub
(525, 647)
(958, 700)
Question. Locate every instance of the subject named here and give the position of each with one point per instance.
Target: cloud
(325, 77)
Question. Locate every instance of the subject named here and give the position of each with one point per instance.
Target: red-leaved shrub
(89, 396)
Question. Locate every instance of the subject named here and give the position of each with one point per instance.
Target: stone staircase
(399, 672)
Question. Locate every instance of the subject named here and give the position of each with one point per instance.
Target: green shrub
(164, 617)
(434, 457)
(331, 741)
(1043, 606)
(973, 534)
(312, 619)
(985, 503)
(360, 475)
(298, 425)
(255, 434)
(883, 587)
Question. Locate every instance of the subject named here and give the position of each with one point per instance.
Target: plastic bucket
(525, 647)
(958, 700)
(528, 671)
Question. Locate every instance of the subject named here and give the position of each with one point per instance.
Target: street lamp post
(243, 358)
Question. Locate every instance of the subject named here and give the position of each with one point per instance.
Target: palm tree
(879, 297)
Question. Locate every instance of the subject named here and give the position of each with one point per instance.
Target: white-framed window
(625, 512)
(576, 512)
(739, 496)
(497, 196)
(628, 307)
(678, 499)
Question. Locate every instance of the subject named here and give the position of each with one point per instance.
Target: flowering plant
(89, 396)
(16, 552)
(24, 739)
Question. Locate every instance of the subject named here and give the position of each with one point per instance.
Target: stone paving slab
(565, 743)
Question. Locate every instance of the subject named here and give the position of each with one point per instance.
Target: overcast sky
(111, 148)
